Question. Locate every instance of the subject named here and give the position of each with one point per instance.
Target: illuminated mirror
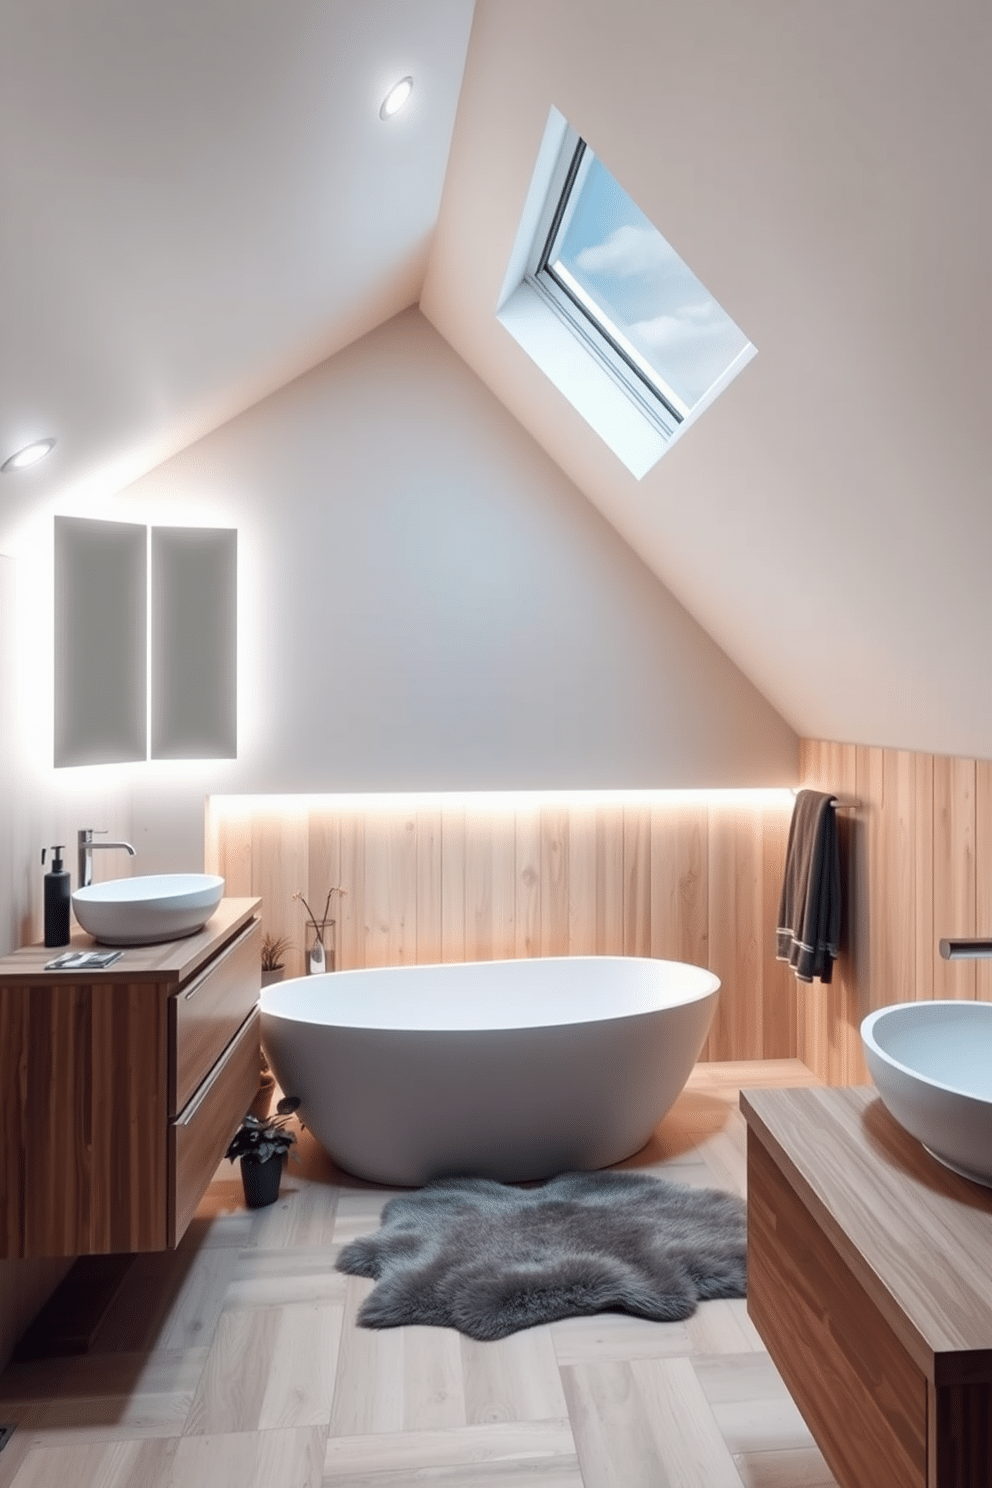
(112, 671)
(100, 642)
(194, 643)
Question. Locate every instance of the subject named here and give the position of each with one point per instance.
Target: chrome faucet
(86, 846)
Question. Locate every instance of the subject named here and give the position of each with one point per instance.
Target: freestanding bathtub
(511, 1070)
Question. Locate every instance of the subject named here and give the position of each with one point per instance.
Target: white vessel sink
(932, 1065)
(148, 909)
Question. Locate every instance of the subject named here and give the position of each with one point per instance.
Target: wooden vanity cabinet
(120, 1089)
(870, 1282)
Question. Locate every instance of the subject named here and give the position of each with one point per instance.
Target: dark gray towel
(809, 907)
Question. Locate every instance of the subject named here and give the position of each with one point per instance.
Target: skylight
(589, 256)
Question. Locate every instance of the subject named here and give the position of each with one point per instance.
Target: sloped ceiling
(825, 171)
(199, 202)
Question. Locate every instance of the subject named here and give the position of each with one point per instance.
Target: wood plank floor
(235, 1363)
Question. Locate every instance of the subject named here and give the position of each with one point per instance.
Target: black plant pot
(260, 1180)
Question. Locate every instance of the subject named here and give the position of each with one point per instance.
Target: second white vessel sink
(932, 1065)
(149, 908)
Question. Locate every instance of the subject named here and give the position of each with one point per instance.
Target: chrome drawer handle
(228, 950)
(191, 1108)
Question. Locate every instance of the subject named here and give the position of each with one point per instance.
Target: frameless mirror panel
(194, 643)
(100, 641)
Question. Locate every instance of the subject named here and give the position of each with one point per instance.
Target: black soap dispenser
(58, 899)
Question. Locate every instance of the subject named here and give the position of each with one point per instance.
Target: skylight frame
(596, 369)
(584, 317)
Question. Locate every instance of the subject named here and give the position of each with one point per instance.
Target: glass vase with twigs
(318, 953)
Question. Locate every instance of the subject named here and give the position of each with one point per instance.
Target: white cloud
(694, 348)
(630, 251)
(697, 325)
(666, 312)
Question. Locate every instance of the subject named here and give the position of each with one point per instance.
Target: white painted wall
(17, 854)
(426, 602)
(24, 1285)
(823, 169)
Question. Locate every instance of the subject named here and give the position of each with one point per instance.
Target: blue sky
(629, 269)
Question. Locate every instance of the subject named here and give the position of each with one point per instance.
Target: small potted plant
(262, 1144)
(274, 947)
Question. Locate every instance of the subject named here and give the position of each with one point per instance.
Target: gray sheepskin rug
(489, 1258)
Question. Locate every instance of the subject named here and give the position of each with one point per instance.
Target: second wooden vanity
(120, 1089)
(870, 1281)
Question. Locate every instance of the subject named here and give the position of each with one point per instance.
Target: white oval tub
(511, 1070)
(932, 1065)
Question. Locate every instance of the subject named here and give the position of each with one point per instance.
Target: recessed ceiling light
(29, 455)
(396, 98)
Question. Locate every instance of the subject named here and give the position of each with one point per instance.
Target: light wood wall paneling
(779, 1002)
(402, 938)
(953, 871)
(555, 915)
(390, 889)
(490, 898)
(894, 969)
(228, 849)
(454, 884)
(680, 883)
(812, 1022)
(480, 844)
(726, 1027)
(748, 981)
(983, 872)
(350, 928)
(323, 871)
(429, 833)
(453, 933)
(583, 874)
(378, 891)
(917, 857)
(636, 881)
(212, 832)
(741, 927)
(403, 891)
(845, 1063)
(527, 896)
(609, 881)
(870, 907)
(279, 867)
(504, 894)
(925, 943)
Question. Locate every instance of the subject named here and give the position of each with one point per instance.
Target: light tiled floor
(235, 1363)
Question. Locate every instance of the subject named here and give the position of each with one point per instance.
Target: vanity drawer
(207, 1011)
(199, 1135)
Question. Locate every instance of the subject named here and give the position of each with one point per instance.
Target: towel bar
(966, 950)
(841, 803)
